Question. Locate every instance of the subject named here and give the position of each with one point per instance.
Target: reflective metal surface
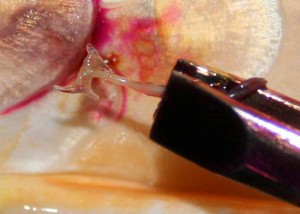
(254, 140)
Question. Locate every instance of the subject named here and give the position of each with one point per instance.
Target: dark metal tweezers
(239, 129)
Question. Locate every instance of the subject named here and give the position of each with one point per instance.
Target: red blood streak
(124, 104)
(26, 102)
(40, 95)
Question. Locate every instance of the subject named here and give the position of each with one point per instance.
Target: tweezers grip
(254, 140)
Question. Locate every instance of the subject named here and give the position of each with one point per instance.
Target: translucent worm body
(95, 67)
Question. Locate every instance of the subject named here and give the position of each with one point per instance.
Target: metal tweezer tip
(236, 128)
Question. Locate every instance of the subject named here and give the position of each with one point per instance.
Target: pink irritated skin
(136, 31)
(101, 36)
(172, 14)
(140, 46)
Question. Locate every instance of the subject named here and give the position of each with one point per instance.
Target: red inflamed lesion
(133, 41)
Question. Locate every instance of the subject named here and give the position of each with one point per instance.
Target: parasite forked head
(95, 67)
(91, 64)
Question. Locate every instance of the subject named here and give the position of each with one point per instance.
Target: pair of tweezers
(237, 128)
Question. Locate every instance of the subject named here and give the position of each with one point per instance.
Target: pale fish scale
(40, 43)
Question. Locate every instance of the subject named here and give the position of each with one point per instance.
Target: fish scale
(40, 43)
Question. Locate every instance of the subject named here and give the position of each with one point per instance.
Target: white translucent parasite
(95, 67)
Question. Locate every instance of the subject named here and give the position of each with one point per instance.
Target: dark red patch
(103, 27)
